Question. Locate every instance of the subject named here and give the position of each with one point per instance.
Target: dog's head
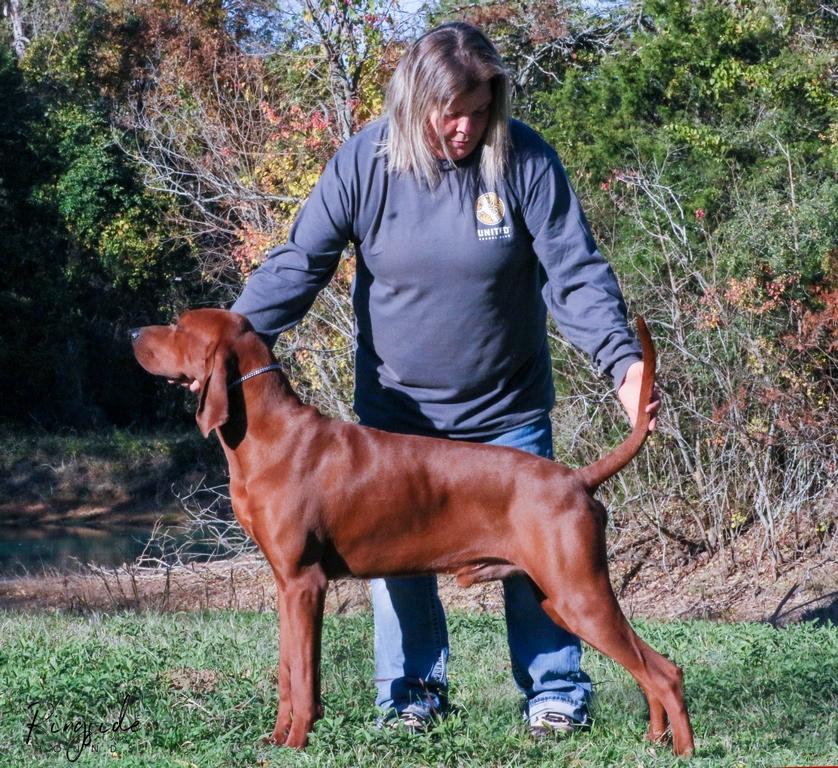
(201, 347)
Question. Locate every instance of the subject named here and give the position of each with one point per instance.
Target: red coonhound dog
(324, 499)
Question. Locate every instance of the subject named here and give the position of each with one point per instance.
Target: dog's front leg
(304, 599)
(283, 709)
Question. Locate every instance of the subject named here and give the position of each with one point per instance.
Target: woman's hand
(629, 394)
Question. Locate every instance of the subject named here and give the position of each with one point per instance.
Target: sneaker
(416, 717)
(413, 721)
(547, 723)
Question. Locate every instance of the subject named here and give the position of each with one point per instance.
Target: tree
(704, 145)
(12, 9)
(86, 252)
(237, 125)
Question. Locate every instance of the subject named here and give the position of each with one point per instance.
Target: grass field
(201, 692)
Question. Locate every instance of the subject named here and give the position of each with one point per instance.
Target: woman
(465, 232)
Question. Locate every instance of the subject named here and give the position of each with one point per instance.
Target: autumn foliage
(154, 150)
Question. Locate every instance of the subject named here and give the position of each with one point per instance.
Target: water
(65, 548)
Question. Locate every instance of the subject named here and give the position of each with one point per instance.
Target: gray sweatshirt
(452, 286)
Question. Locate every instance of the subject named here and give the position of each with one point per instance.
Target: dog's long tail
(597, 473)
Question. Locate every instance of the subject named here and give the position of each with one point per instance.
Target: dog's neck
(266, 400)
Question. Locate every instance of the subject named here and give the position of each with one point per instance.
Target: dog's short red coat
(324, 499)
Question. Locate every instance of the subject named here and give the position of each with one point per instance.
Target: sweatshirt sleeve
(581, 291)
(279, 293)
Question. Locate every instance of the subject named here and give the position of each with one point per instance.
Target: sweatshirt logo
(489, 209)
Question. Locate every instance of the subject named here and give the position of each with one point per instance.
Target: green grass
(202, 688)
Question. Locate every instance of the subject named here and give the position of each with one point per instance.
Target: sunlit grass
(201, 688)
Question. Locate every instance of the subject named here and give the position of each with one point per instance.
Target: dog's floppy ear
(212, 402)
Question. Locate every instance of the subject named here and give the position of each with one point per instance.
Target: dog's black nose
(134, 333)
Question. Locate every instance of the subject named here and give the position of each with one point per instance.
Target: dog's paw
(297, 740)
(275, 739)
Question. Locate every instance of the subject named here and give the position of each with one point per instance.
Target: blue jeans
(411, 638)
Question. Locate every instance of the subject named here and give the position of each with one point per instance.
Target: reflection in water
(65, 548)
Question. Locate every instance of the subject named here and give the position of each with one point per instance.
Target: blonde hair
(445, 63)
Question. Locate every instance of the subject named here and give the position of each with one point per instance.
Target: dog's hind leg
(658, 723)
(591, 611)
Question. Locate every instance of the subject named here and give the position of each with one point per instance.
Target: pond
(63, 548)
(34, 550)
